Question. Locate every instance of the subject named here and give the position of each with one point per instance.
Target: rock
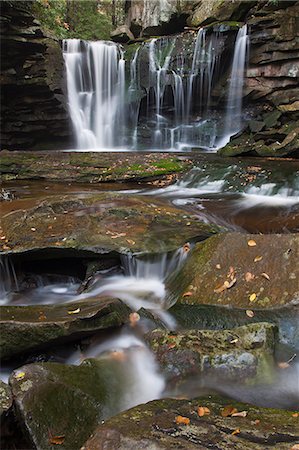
(24, 328)
(92, 167)
(204, 317)
(226, 270)
(244, 352)
(101, 223)
(32, 82)
(61, 405)
(5, 398)
(153, 426)
(122, 34)
(217, 11)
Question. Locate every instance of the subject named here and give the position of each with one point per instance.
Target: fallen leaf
(118, 355)
(283, 365)
(74, 311)
(265, 275)
(20, 375)
(130, 241)
(188, 294)
(180, 420)
(295, 447)
(256, 422)
(252, 297)
(118, 235)
(249, 276)
(42, 316)
(170, 346)
(251, 243)
(240, 414)
(234, 341)
(258, 258)
(237, 431)
(186, 247)
(249, 313)
(295, 415)
(134, 318)
(218, 266)
(57, 440)
(230, 284)
(228, 411)
(231, 273)
(33, 229)
(188, 224)
(202, 411)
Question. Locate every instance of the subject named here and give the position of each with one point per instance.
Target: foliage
(85, 19)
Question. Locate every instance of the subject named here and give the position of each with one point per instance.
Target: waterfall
(233, 119)
(8, 279)
(161, 98)
(96, 92)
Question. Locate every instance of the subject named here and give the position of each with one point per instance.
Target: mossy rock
(154, 426)
(101, 223)
(5, 398)
(63, 403)
(24, 328)
(261, 272)
(245, 352)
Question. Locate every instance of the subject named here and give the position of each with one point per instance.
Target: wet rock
(245, 271)
(24, 328)
(244, 352)
(61, 405)
(5, 398)
(217, 11)
(203, 317)
(102, 223)
(92, 167)
(153, 425)
(122, 34)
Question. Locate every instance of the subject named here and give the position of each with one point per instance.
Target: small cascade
(233, 119)
(96, 92)
(8, 279)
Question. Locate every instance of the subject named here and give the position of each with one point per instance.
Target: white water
(96, 92)
(109, 112)
(8, 280)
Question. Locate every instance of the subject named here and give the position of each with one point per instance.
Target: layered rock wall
(33, 102)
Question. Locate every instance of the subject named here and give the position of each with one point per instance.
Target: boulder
(24, 328)
(245, 352)
(101, 223)
(240, 270)
(172, 424)
(205, 12)
(122, 34)
(61, 405)
(5, 398)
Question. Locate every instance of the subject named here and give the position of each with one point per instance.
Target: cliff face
(33, 103)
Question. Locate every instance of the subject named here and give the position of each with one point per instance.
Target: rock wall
(33, 103)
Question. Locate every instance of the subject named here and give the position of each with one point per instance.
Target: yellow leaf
(258, 258)
(237, 431)
(252, 297)
(20, 375)
(74, 311)
(180, 420)
(251, 243)
(249, 313)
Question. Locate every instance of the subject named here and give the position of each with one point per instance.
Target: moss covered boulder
(173, 424)
(60, 405)
(24, 328)
(240, 270)
(242, 352)
(101, 223)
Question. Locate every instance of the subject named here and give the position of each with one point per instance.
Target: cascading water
(160, 98)
(8, 279)
(96, 92)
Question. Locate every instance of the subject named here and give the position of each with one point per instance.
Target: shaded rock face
(61, 405)
(241, 352)
(271, 82)
(153, 426)
(24, 328)
(33, 102)
(246, 271)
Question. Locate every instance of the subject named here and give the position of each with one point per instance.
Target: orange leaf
(180, 420)
(57, 440)
(202, 411)
(295, 415)
(188, 294)
(228, 411)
